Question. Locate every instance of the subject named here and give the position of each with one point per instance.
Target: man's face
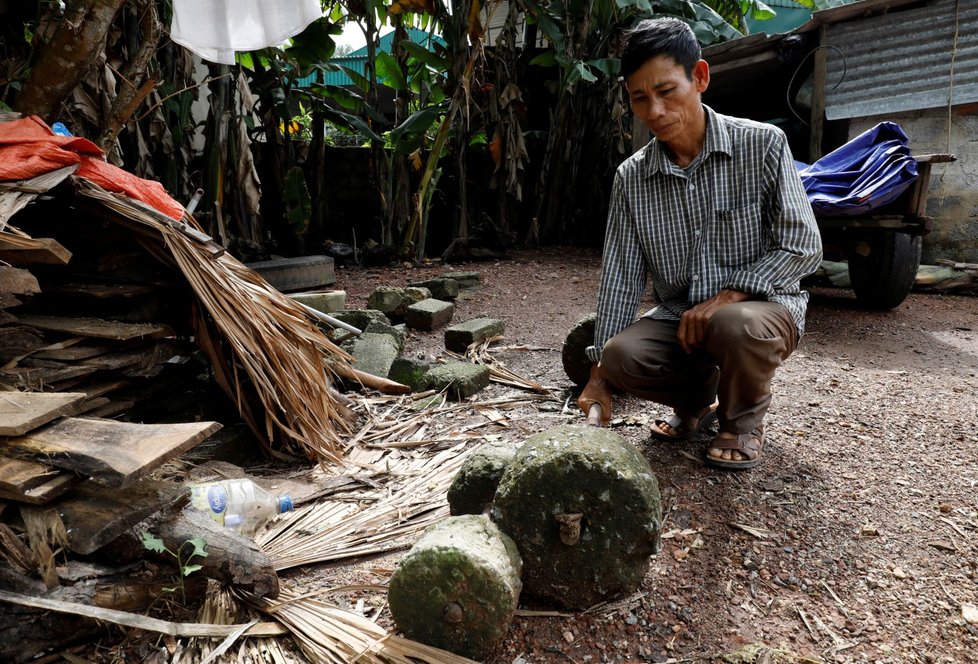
(665, 99)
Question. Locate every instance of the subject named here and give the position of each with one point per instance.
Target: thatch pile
(266, 351)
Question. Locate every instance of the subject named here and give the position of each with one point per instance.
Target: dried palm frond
(271, 340)
(333, 530)
(328, 634)
(221, 608)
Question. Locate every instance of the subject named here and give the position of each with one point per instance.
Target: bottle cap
(285, 504)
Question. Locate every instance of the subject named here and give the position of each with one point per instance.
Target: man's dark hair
(660, 36)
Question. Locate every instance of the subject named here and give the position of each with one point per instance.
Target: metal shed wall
(902, 61)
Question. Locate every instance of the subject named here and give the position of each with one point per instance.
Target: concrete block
(397, 333)
(408, 371)
(460, 379)
(442, 289)
(429, 314)
(374, 353)
(326, 302)
(394, 301)
(461, 335)
(360, 318)
(466, 280)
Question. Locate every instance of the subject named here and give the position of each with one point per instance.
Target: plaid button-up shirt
(736, 218)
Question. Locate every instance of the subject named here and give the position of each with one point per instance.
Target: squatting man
(713, 213)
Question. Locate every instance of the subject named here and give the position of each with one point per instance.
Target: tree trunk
(134, 85)
(63, 61)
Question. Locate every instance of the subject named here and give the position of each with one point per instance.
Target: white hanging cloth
(215, 29)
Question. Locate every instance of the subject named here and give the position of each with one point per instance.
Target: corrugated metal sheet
(902, 61)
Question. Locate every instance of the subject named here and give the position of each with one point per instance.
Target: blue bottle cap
(285, 504)
(59, 129)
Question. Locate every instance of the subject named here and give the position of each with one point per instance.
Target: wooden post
(818, 99)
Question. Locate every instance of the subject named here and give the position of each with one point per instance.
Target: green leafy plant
(196, 550)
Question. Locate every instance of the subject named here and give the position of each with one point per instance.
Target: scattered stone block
(361, 318)
(458, 587)
(460, 379)
(475, 482)
(396, 332)
(461, 335)
(327, 302)
(466, 280)
(408, 371)
(373, 353)
(442, 289)
(429, 314)
(583, 507)
(576, 363)
(394, 301)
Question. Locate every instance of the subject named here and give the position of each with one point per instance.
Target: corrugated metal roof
(902, 61)
(357, 60)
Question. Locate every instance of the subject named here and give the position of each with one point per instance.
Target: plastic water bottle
(238, 504)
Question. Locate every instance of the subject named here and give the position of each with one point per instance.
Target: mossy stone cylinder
(583, 507)
(458, 587)
(475, 483)
(576, 363)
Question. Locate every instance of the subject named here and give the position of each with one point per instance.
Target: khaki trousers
(745, 343)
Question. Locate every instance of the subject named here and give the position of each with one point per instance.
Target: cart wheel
(883, 277)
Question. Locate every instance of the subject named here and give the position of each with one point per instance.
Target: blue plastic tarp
(866, 173)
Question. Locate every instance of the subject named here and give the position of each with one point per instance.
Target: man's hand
(692, 324)
(596, 395)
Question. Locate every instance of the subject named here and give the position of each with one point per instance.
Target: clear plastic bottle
(238, 504)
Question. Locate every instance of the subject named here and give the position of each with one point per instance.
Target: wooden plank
(101, 290)
(111, 409)
(76, 349)
(817, 117)
(144, 356)
(16, 280)
(39, 378)
(21, 412)
(94, 515)
(96, 327)
(113, 453)
(8, 300)
(32, 251)
(19, 475)
(45, 492)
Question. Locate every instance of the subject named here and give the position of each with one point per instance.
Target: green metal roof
(357, 60)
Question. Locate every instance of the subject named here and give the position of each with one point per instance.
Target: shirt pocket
(739, 235)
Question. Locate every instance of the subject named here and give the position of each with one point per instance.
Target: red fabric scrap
(28, 148)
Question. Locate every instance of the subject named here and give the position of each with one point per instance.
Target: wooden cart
(883, 249)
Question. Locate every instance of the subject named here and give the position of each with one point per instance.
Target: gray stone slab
(460, 379)
(466, 280)
(442, 289)
(374, 353)
(396, 332)
(461, 335)
(409, 371)
(326, 301)
(429, 314)
(361, 318)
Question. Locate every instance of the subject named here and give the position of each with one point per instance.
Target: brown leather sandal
(750, 444)
(675, 423)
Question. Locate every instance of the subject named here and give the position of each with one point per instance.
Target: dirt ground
(855, 541)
